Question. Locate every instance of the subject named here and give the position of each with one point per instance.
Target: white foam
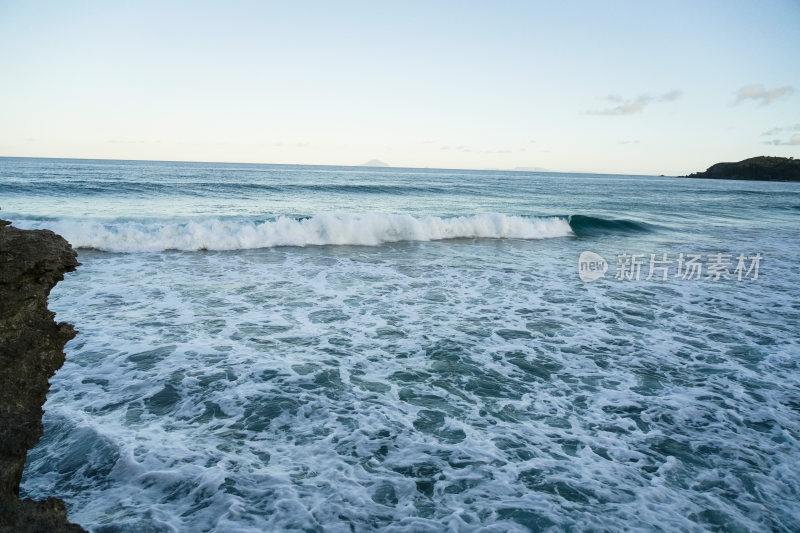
(369, 230)
(299, 390)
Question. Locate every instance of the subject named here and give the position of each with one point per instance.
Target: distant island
(374, 163)
(761, 168)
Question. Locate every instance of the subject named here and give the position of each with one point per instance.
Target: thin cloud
(671, 96)
(775, 131)
(793, 141)
(282, 144)
(470, 150)
(635, 105)
(120, 141)
(760, 94)
(627, 108)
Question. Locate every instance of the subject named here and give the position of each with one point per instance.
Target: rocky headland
(761, 168)
(31, 350)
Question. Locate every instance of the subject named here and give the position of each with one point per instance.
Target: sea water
(301, 348)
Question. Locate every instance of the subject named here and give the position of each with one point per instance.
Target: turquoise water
(353, 349)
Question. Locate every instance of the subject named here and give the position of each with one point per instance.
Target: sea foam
(326, 229)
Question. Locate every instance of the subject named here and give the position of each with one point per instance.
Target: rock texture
(31, 350)
(762, 168)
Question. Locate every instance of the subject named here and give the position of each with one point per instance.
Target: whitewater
(365, 230)
(296, 348)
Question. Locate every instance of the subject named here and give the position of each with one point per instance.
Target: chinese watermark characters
(662, 267)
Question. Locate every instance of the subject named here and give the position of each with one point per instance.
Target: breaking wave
(586, 225)
(363, 230)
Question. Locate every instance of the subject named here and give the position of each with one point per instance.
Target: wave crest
(584, 225)
(364, 230)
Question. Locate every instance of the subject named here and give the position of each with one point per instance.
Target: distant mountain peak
(374, 163)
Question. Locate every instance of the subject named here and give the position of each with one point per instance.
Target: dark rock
(762, 168)
(31, 350)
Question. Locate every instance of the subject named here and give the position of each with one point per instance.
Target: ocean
(306, 348)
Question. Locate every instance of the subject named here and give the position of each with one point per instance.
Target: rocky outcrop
(31, 350)
(762, 168)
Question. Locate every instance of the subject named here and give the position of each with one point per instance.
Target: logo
(591, 266)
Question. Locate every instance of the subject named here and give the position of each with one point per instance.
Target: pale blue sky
(633, 87)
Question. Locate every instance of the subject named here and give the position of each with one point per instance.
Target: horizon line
(341, 166)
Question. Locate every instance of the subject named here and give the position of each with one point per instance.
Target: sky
(635, 87)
